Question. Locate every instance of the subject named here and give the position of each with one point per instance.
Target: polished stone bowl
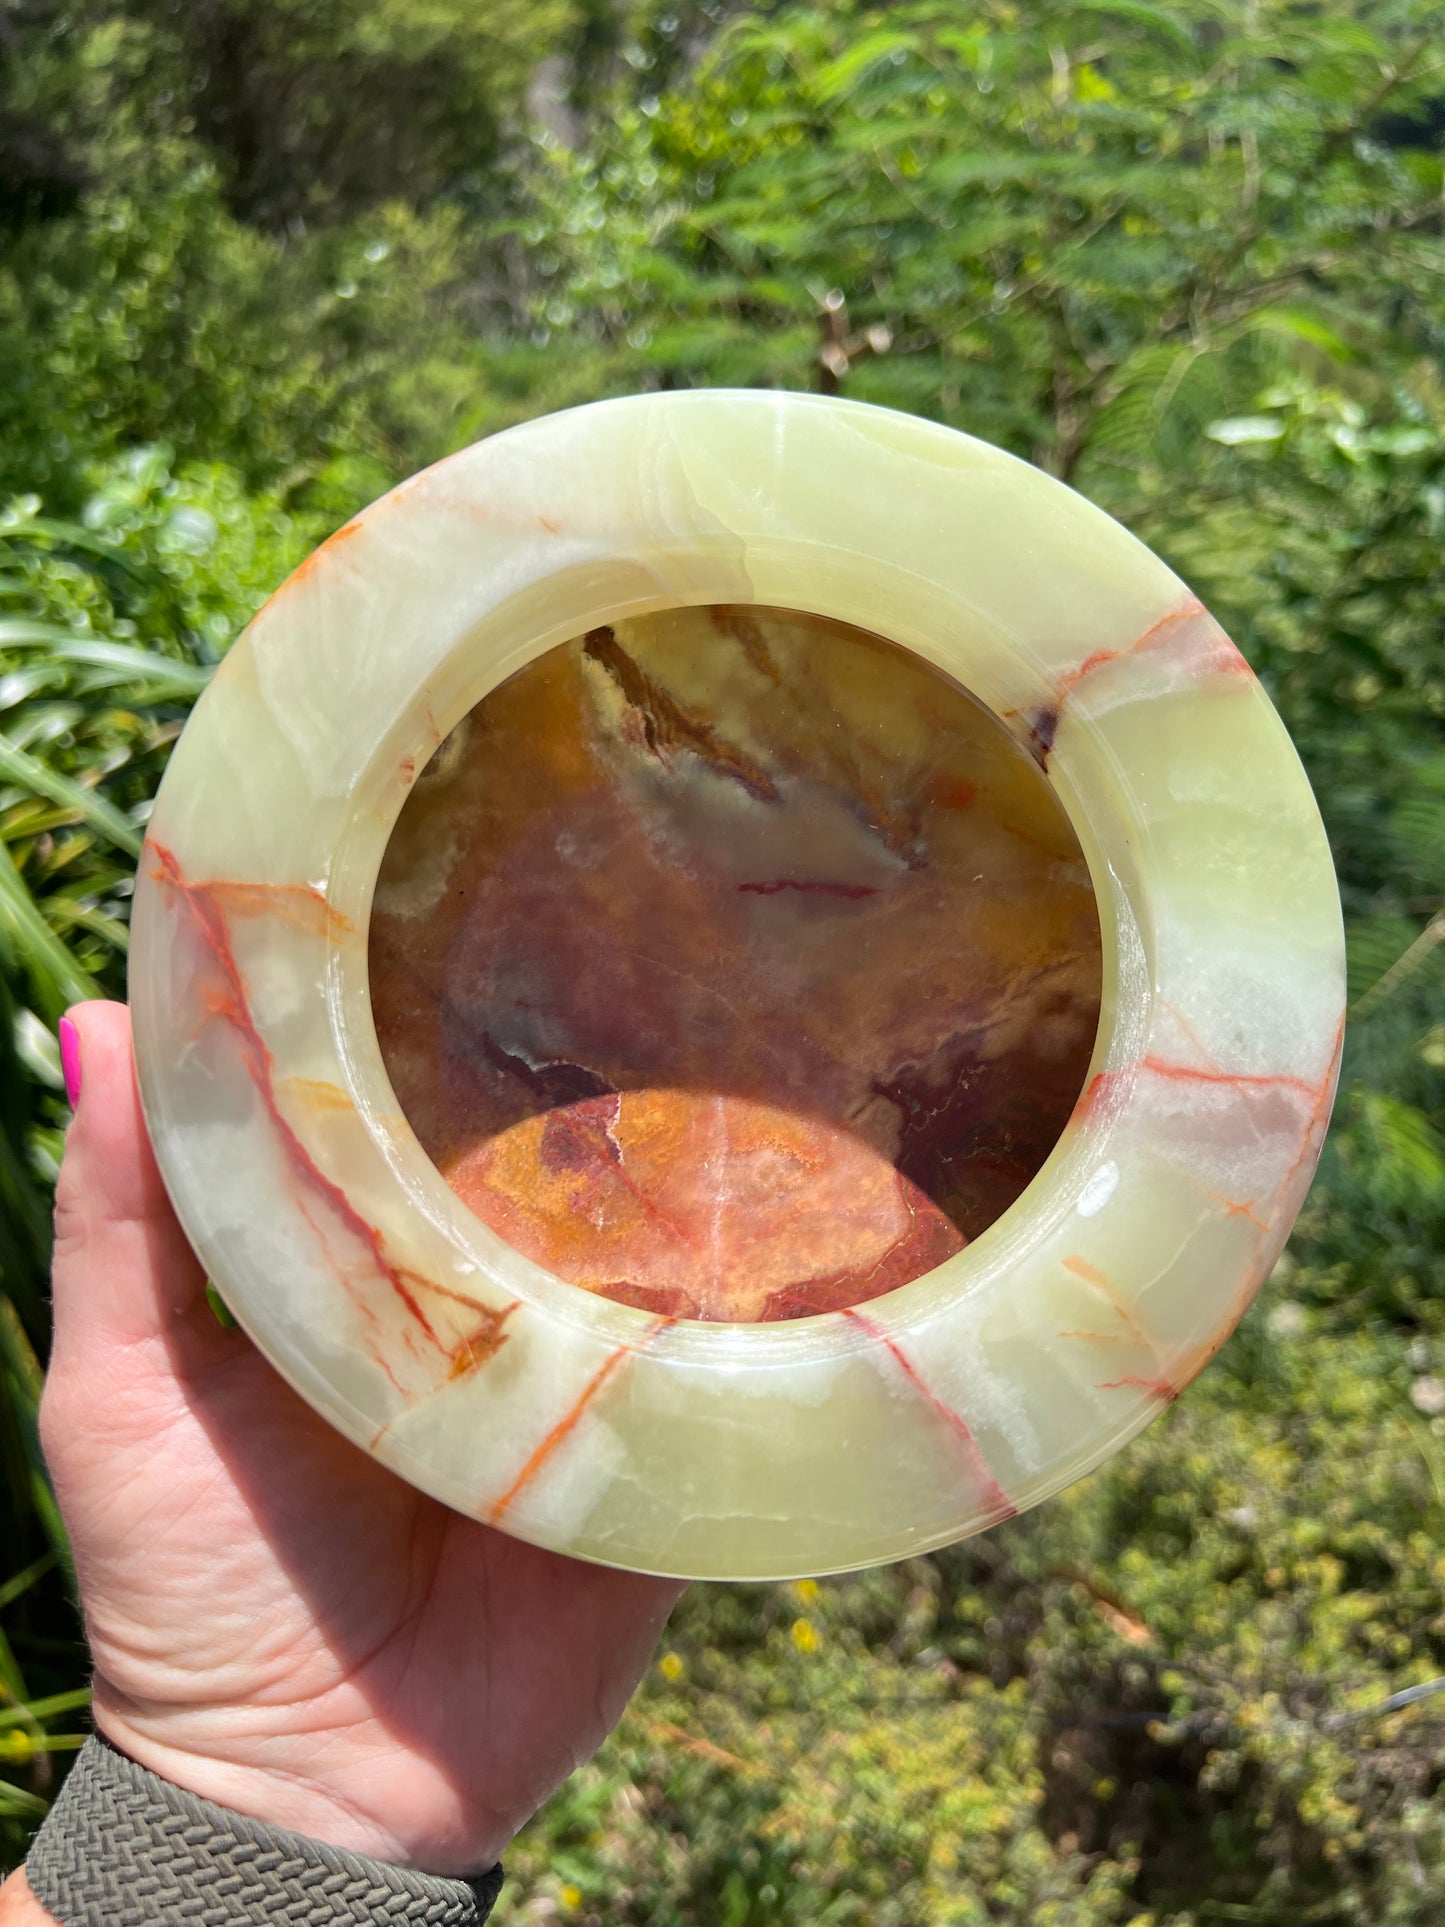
(736, 984)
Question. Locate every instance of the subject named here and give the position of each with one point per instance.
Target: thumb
(123, 1272)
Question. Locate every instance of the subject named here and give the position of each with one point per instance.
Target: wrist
(122, 1847)
(277, 1798)
(308, 1781)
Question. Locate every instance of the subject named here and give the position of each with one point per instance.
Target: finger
(123, 1271)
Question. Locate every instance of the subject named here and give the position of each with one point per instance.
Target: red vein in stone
(318, 1093)
(1322, 1098)
(1224, 660)
(582, 1130)
(1098, 1086)
(1195, 1074)
(1159, 1388)
(328, 547)
(1247, 1080)
(567, 1424)
(1100, 1281)
(299, 903)
(809, 888)
(1190, 1363)
(1000, 1505)
(456, 1297)
(1319, 1095)
(1148, 640)
(1089, 665)
(1193, 1362)
(1233, 1208)
(199, 899)
(474, 1348)
(1193, 1035)
(367, 1312)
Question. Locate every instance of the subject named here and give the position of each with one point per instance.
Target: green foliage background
(260, 258)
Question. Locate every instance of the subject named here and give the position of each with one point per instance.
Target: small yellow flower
(1090, 84)
(671, 1666)
(571, 1898)
(806, 1636)
(806, 1590)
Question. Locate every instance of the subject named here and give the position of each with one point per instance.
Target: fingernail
(70, 1060)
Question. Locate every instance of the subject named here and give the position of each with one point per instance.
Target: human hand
(278, 1623)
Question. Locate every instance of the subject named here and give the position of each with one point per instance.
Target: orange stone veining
(735, 964)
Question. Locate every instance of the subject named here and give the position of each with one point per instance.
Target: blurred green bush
(262, 259)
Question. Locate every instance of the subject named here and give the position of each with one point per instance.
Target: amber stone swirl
(735, 964)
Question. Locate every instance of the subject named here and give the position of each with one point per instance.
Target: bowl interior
(735, 963)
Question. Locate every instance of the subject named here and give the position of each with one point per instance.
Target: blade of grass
(22, 1581)
(71, 536)
(24, 1240)
(27, 1213)
(58, 979)
(28, 770)
(130, 664)
(16, 1803)
(44, 1709)
(15, 1521)
(12, 1680)
(36, 1048)
(25, 1221)
(23, 631)
(22, 1369)
(83, 916)
(17, 1355)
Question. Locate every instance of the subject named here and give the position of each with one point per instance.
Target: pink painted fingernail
(70, 1060)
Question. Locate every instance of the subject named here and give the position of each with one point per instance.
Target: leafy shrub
(1188, 257)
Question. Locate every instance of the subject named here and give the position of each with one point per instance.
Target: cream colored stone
(725, 1451)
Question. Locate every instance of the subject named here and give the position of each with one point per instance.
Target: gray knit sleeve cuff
(123, 1848)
